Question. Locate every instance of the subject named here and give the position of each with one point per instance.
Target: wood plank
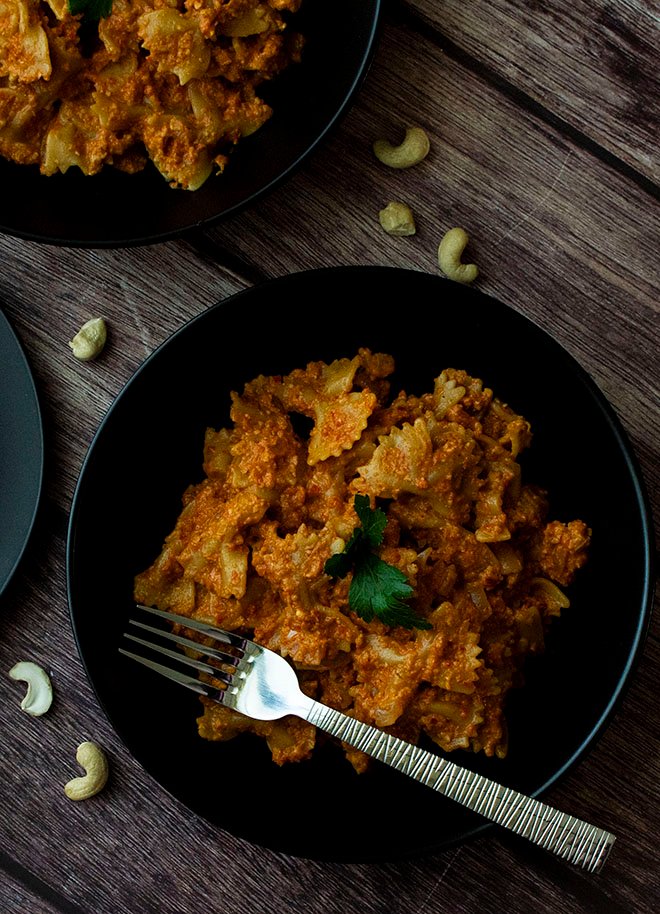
(593, 63)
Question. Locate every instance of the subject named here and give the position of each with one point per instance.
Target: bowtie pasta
(473, 539)
(173, 81)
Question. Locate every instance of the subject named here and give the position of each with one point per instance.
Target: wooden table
(544, 125)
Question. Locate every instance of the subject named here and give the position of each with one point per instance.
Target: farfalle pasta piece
(390, 670)
(61, 147)
(318, 639)
(206, 545)
(338, 424)
(24, 48)
(324, 393)
(217, 453)
(401, 462)
(265, 450)
(176, 43)
(214, 516)
(75, 137)
(447, 392)
(274, 555)
(168, 139)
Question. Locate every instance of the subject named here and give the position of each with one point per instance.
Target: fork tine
(183, 658)
(229, 659)
(190, 682)
(213, 632)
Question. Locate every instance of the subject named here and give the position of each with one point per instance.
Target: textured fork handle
(572, 839)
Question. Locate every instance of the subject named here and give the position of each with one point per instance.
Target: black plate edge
(42, 447)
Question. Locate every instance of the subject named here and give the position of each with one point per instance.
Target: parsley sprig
(92, 10)
(377, 588)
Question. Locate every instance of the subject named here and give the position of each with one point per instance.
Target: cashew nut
(39, 695)
(449, 257)
(92, 758)
(411, 151)
(397, 219)
(90, 339)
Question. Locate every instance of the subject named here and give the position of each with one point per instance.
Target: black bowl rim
(642, 502)
(35, 421)
(236, 208)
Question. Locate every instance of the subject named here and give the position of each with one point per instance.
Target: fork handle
(572, 839)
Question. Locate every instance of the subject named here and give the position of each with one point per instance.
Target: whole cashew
(90, 339)
(92, 758)
(39, 695)
(449, 257)
(411, 151)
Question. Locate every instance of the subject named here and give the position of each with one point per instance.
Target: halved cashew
(90, 339)
(411, 151)
(397, 219)
(39, 695)
(449, 257)
(92, 758)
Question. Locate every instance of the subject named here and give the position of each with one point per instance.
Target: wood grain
(562, 233)
(592, 63)
(18, 897)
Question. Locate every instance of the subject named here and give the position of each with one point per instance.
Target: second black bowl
(112, 209)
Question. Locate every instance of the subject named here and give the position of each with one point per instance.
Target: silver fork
(263, 685)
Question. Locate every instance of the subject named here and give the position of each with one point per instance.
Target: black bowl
(124, 507)
(114, 209)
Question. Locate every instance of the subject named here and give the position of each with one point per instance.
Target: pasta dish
(485, 565)
(90, 83)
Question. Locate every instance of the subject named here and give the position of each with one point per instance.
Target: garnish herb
(92, 10)
(377, 588)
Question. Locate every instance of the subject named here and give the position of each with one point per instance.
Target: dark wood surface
(544, 125)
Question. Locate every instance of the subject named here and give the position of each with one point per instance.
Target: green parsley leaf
(92, 10)
(378, 588)
(373, 520)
